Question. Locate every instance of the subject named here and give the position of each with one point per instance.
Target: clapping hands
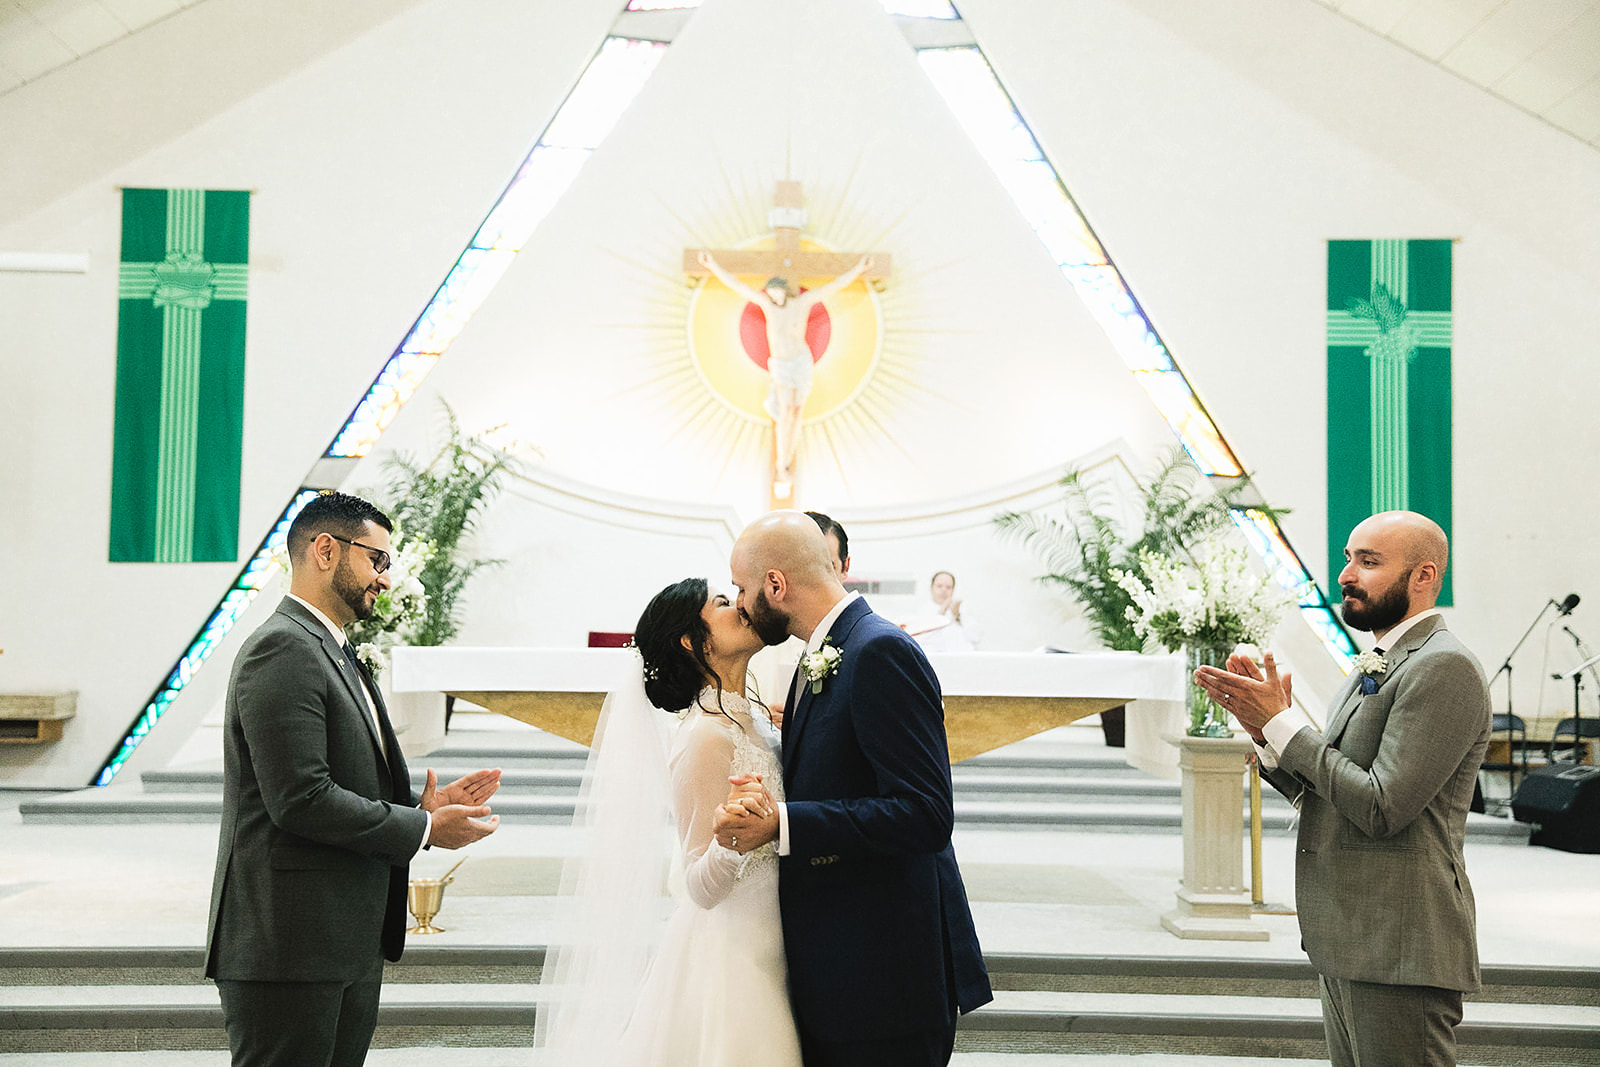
(460, 812)
(1249, 694)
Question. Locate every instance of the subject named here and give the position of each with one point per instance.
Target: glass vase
(1206, 717)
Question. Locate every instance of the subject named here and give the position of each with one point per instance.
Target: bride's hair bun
(674, 675)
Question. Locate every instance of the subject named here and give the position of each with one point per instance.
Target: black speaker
(1564, 800)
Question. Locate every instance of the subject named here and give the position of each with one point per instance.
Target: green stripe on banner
(180, 375)
(1388, 338)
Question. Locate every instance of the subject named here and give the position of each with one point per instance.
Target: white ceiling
(37, 36)
(1541, 55)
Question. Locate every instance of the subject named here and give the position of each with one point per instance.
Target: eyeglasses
(380, 558)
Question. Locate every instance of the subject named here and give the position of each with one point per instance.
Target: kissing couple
(822, 919)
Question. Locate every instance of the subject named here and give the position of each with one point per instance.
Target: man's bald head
(1394, 568)
(1413, 537)
(788, 542)
(784, 572)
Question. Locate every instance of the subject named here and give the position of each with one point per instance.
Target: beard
(351, 591)
(769, 623)
(1382, 612)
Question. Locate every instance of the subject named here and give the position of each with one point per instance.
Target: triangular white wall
(1214, 155)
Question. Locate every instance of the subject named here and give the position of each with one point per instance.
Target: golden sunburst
(856, 431)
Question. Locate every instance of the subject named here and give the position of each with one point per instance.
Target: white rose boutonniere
(1372, 666)
(371, 655)
(1371, 663)
(816, 667)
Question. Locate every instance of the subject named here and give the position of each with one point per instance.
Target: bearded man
(319, 823)
(1386, 911)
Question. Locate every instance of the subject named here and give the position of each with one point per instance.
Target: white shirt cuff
(783, 829)
(1281, 728)
(427, 832)
(1265, 756)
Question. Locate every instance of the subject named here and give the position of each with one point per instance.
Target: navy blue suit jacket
(876, 925)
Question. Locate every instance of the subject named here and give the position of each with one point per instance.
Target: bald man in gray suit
(1386, 911)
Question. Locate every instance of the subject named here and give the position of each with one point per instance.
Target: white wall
(1213, 154)
(1215, 151)
(370, 163)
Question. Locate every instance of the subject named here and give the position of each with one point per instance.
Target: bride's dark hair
(674, 675)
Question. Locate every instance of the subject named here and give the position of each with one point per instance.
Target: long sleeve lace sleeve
(700, 768)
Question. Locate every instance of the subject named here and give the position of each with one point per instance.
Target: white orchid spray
(399, 610)
(1206, 609)
(1216, 604)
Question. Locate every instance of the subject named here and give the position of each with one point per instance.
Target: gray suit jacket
(1380, 882)
(317, 826)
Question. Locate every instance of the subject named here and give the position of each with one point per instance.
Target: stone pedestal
(1213, 903)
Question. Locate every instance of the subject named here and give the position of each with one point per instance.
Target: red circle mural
(753, 333)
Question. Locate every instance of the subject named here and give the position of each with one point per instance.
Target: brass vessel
(424, 896)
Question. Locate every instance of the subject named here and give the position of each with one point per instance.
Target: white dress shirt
(818, 636)
(372, 707)
(1281, 728)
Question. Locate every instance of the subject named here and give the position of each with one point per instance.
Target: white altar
(991, 698)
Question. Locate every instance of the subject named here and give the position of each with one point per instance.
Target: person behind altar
(775, 667)
(946, 624)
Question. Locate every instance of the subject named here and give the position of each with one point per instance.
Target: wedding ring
(736, 842)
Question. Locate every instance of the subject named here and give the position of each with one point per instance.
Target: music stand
(1576, 674)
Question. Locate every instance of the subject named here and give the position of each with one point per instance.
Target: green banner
(180, 375)
(1388, 323)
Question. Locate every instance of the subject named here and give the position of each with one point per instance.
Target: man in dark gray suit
(318, 819)
(1386, 911)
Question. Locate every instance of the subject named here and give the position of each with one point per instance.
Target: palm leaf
(1080, 550)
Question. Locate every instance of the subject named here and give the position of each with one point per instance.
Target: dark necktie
(366, 679)
(355, 661)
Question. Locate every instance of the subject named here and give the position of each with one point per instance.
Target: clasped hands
(461, 814)
(1247, 692)
(748, 819)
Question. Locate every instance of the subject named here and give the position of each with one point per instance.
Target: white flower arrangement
(1217, 604)
(816, 667)
(1208, 608)
(399, 610)
(1371, 663)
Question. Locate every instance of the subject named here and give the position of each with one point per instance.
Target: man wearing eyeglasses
(319, 822)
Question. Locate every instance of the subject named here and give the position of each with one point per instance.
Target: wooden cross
(786, 260)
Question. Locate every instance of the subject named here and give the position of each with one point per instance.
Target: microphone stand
(1505, 668)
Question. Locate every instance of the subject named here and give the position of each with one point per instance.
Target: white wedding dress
(712, 990)
(717, 992)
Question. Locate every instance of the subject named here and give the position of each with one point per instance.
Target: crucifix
(787, 309)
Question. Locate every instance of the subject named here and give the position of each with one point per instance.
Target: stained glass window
(603, 92)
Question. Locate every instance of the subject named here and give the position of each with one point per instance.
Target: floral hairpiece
(651, 673)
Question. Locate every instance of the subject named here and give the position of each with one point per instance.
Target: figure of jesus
(788, 356)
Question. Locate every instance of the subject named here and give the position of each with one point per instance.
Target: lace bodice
(714, 742)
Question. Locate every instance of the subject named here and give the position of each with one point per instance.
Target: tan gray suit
(1386, 911)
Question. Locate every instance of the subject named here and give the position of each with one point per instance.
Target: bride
(712, 990)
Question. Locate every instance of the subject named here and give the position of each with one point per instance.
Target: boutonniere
(816, 667)
(1371, 665)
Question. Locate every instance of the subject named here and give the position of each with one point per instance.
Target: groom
(881, 948)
